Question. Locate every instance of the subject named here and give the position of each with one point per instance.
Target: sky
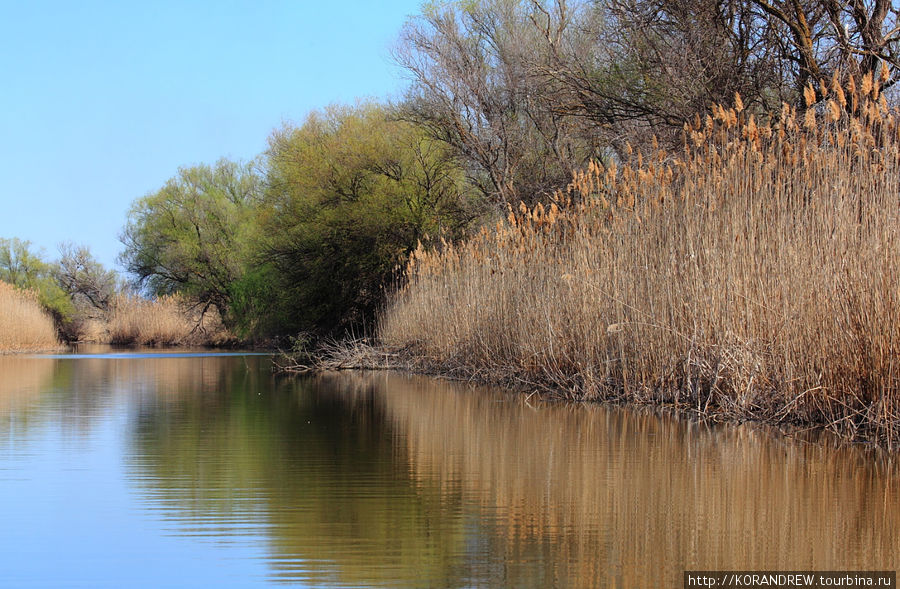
(102, 102)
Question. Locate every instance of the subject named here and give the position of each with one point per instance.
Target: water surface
(190, 469)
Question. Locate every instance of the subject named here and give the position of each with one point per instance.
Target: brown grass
(24, 326)
(754, 276)
(165, 321)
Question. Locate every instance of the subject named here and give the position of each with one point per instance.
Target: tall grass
(165, 321)
(24, 326)
(756, 275)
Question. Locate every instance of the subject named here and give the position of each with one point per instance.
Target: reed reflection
(21, 383)
(612, 497)
(77, 393)
(376, 479)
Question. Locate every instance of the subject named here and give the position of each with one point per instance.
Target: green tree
(27, 269)
(194, 235)
(349, 194)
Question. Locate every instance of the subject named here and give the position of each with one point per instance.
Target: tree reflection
(376, 479)
(313, 465)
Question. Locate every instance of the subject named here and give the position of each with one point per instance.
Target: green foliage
(193, 236)
(251, 309)
(26, 269)
(311, 246)
(349, 194)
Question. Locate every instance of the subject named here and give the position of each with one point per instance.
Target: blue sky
(102, 102)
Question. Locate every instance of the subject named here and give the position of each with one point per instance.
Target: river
(194, 469)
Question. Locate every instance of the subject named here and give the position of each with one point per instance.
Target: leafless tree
(526, 91)
(664, 61)
(822, 36)
(86, 281)
(478, 87)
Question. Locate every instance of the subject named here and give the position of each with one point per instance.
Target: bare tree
(477, 87)
(659, 63)
(526, 91)
(823, 36)
(84, 279)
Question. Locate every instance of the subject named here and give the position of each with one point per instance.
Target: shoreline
(361, 355)
(748, 278)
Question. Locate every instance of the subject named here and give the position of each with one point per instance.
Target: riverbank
(130, 321)
(756, 276)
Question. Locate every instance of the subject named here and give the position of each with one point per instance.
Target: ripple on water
(206, 468)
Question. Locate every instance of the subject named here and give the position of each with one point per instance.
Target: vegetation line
(740, 263)
(754, 276)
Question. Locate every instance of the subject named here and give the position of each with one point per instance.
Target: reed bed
(164, 321)
(755, 276)
(24, 326)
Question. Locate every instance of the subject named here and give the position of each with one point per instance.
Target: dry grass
(24, 326)
(754, 276)
(165, 321)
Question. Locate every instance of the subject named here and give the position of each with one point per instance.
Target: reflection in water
(315, 465)
(79, 392)
(601, 495)
(21, 383)
(375, 479)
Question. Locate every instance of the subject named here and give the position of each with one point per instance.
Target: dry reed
(165, 321)
(756, 275)
(24, 326)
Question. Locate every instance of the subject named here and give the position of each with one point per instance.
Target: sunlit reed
(167, 320)
(24, 326)
(755, 275)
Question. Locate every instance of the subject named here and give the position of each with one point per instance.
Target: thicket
(74, 290)
(526, 92)
(27, 270)
(756, 275)
(75, 299)
(508, 99)
(306, 238)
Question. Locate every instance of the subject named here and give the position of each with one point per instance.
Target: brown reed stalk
(756, 275)
(24, 326)
(164, 321)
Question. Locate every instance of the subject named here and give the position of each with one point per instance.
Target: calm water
(161, 470)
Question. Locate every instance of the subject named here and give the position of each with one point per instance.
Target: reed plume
(755, 275)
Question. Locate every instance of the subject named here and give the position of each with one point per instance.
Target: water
(189, 469)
